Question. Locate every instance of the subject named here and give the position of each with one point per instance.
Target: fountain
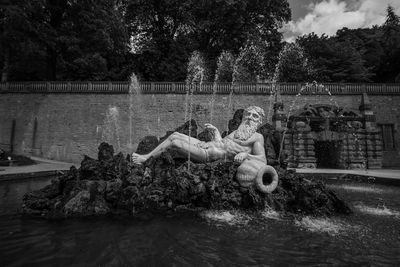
(135, 99)
(188, 208)
(111, 129)
(188, 216)
(196, 72)
(162, 182)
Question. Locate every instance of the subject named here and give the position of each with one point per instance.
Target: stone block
(303, 141)
(356, 166)
(292, 165)
(287, 142)
(373, 148)
(307, 165)
(305, 147)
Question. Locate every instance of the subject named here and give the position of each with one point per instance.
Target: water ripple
(358, 188)
(379, 211)
(228, 217)
(271, 214)
(330, 226)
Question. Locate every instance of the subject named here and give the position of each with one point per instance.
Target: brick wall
(71, 125)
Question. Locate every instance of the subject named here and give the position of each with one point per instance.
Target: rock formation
(113, 185)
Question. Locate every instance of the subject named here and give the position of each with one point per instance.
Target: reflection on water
(229, 217)
(359, 188)
(11, 193)
(331, 226)
(212, 238)
(379, 211)
(271, 214)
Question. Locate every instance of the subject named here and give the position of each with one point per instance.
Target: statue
(243, 145)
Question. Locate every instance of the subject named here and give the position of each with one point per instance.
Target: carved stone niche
(326, 133)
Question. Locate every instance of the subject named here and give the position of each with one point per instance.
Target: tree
(60, 39)
(228, 25)
(196, 69)
(334, 60)
(293, 65)
(249, 65)
(93, 41)
(358, 55)
(105, 40)
(391, 45)
(20, 53)
(392, 20)
(369, 44)
(172, 27)
(225, 65)
(161, 46)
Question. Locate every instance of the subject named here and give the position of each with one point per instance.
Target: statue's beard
(246, 129)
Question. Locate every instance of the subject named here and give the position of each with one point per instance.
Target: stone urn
(255, 172)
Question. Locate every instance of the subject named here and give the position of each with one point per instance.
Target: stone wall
(71, 125)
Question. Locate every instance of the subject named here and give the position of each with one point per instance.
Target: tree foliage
(335, 60)
(110, 39)
(20, 41)
(293, 65)
(249, 65)
(60, 39)
(172, 29)
(225, 65)
(390, 70)
(357, 55)
(196, 69)
(107, 40)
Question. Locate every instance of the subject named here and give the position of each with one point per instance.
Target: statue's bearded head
(252, 118)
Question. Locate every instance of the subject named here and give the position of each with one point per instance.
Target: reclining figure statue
(243, 145)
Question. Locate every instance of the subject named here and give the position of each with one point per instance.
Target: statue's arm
(216, 134)
(258, 151)
(247, 142)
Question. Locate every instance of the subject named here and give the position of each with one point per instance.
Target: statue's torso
(232, 148)
(227, 148)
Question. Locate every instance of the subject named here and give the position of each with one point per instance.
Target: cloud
(328, 16)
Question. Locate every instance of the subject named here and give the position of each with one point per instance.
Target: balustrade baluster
(180, 87)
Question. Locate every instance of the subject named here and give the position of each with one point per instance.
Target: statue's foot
(138, 159)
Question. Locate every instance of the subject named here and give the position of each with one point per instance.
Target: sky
(328, 16)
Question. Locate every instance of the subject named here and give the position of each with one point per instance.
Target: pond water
(369, 237)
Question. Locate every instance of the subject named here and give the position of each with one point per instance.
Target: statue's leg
(181, 142)
(186, 145)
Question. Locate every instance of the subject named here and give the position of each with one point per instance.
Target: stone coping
(381, 176)
(123, 87)
(43, 168)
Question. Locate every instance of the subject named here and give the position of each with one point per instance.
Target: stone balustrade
(122, 87)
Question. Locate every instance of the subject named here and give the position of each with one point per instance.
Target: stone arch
(323, 135)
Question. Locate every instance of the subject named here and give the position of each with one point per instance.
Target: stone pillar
(278, 122)
(279, 116)
(374, 149)
(299, 149)
(345, 146)
(288, 150)
(372, 136)
(356, 149)
(367, 112)
(304, 145)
